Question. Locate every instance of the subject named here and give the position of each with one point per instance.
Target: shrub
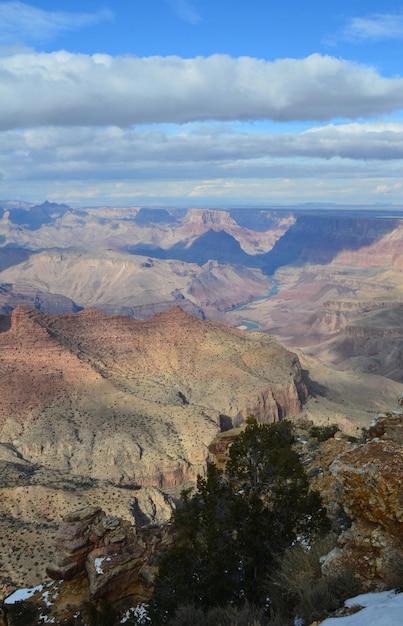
(323, 433)
(298, 583)
(22, 613)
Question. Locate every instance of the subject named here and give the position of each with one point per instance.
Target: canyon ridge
(124, 351)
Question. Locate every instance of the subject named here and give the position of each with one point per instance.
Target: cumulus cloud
(23, 22)
(67, 89)
(377, 27)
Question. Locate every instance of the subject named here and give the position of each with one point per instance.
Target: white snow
(22, 594)
(139, 614)
(98, 563)
(380, 609)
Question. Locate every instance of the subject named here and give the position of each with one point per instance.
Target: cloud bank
(64, 89)
(127, 154)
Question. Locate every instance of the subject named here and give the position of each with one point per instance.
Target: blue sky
(201, 102)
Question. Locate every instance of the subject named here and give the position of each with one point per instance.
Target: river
(246, 324)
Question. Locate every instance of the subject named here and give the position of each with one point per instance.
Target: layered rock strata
(115, 559)
(98, 558)
(135, 402)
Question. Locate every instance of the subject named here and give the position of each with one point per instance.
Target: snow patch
(379, 609)
(22, 594)
(98, 563)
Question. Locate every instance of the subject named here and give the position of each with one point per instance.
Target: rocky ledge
(98, 558)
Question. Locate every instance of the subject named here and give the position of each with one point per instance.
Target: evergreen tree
(230, 532)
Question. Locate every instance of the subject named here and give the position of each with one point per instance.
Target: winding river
(247, 324)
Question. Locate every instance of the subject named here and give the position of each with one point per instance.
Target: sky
(217, 103)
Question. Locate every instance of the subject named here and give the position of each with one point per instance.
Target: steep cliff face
(372, 342)
(320, 238)
(385, 251)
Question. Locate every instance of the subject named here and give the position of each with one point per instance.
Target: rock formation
(115, 558)
(123, 283)
(98, 557)
(136, 402)
(368, 482)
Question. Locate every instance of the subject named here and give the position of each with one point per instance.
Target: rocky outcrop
(98, 558)
(34, 500)
(369, 482)
(77, 535)
(115, 558)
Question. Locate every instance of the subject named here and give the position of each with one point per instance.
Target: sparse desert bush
(299, 585)
(22, 613)
(323, 433)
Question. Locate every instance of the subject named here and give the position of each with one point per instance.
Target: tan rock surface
(112, 280)
(99, 557)
(369, 485)
(93, 407)
(135, 401)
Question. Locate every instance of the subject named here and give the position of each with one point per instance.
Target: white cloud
(376, 27)
(109, 155)
(135, 149)
(21, 22)
(185, 10)
(75, 89)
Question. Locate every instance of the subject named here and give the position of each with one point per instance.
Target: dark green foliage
(104, 615)
(22, 613)
(232, 529)
(323, 433)
(223, 616)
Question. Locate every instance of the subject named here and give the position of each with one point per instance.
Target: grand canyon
(134, 340)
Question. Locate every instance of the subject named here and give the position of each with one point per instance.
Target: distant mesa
(319, 238)
(154, 216)
(312, 238)
(211, 245)
(36, 216)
